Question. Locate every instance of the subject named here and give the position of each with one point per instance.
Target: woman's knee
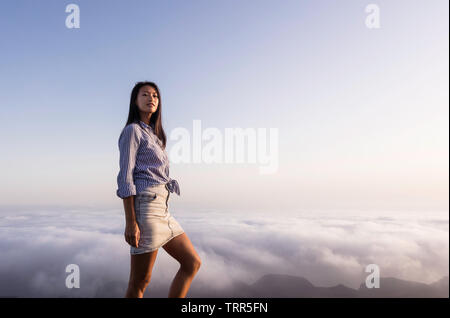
(140, 283)
(192, 266)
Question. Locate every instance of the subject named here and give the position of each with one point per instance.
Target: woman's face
(147, 99)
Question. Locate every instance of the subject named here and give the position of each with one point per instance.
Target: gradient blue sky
(362, 113)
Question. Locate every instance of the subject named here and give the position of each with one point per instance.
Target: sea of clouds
(325, 247)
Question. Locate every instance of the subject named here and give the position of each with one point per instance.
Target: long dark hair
(155, 119)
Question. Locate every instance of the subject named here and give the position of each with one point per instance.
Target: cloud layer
(327, 248)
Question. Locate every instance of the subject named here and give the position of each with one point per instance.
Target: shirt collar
(144, 125)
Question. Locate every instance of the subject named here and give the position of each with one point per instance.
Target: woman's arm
(128, 204)
(128, 146)
(132, 232)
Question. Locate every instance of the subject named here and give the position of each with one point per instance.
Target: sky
(362, 114)
(361, 146)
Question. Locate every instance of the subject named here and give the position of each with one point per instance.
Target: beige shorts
(157, 226)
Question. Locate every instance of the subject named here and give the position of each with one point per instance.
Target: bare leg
(140, 273)
(183, 251)
(181, 283)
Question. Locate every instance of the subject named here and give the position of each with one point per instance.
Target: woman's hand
(132, 233)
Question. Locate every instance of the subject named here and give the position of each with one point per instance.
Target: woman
(145, 186)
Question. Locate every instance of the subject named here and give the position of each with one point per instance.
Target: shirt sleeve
(128, 146)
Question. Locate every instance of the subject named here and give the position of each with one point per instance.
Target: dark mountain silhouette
(394, 287)
(278, 286)
(293, 286)
(441, 285)
(287, 286)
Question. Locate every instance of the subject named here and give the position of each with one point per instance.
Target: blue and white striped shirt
(143, 161)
